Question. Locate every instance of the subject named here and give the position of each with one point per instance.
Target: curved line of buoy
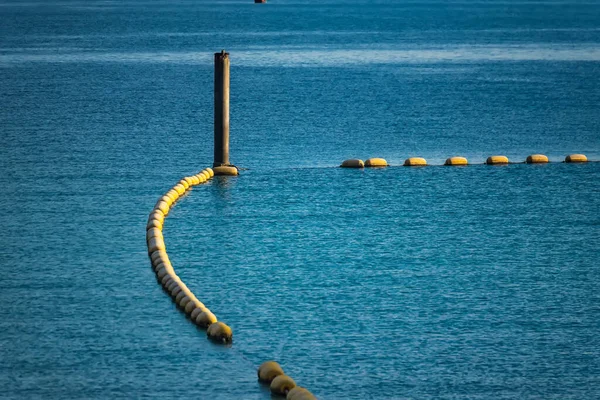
(165, 274)
(269, 372)
(457, 161)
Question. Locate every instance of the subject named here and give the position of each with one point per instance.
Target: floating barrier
(576, 158)
(496, 160)
(165, 274)
(536, 159)
(376, 163)
(492, 160)
(415, 162)
(456, 161)
(353, 163)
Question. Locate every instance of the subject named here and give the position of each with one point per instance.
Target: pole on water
(221, 165)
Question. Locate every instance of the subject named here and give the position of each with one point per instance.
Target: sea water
(460, 283)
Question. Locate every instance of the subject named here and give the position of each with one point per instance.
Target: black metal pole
(221, 156)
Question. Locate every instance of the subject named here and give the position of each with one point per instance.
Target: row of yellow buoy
(271, 373)
(492, 160)
(181, 294)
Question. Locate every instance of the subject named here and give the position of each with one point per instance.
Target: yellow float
(353, 163)
(536, 159)
(376, 163)
(576, 158)
(496, 160)
(456, 161)
(415, 162)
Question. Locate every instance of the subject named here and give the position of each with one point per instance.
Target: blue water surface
(475, 282)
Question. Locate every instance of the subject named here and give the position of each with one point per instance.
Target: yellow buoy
(189, 307)
(184, 301)
(157, 254)
(376, 162)
(169, 198)
(164, 272)
(268, 371)
(160, 267)
(184, 184)
(172, 193)
(161, 273)
(166, 280)
(163, 207)
(153, 232)
(225, 170)
(219, 332)
(154, 223)
(353, 163)
(201, 177)
(176, 291)
(150, 235)
(197, 311)
(189, 181)
(176, 284)
(195, 180)
(205, 318)
(157, 215)
(456, 161)
(166, 199)
(496, 160)
(166, 265)
(415, 162)
(576, 158)
(205, 174)
(172, 286)
(282, 384)
(536, 159)
(160, 263)
(179, 188)
(155, 244)
(210, 172)
(180, 296)
(300, 393)
(184, 287)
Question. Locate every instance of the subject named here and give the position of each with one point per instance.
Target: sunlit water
(439, 282)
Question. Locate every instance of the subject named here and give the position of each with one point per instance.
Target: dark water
(457, 283)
